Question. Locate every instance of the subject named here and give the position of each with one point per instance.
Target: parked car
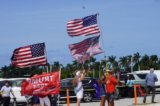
(157, 72)
(89, 91)
(138, 78)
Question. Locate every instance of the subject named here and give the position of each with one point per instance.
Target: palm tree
(57, 65)
(111, 59)
(129, 60)
(115, 65)
(136, 58)
(70, 68)
(153, 59)
(5, 71)
(123, 61)
(145, 62)
(98, 67)
(103, 64)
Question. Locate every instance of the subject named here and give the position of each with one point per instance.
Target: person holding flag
(78, 87)
(110, 85)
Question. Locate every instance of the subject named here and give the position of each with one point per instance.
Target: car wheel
(87, 97)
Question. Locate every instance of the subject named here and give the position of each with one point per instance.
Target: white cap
(78, 73)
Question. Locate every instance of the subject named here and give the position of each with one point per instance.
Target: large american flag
(32, 55)
(84, 50)
(83, 27)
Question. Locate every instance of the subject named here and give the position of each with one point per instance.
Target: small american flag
(32, 55)
(83, 27)
(84, 50)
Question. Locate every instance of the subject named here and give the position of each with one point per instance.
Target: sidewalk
(156, 104)
(123, 102)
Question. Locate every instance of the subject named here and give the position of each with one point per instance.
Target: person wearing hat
(110, 85)
(5, 93)
(78, 87)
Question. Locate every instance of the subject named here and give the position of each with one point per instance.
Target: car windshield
(17, 83)
(142, 76)
(66, 83)
(122, 77)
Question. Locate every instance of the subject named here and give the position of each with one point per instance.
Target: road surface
(120, 102)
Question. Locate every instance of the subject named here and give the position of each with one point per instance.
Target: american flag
(82, 51)
(83, 27)
(32, 55)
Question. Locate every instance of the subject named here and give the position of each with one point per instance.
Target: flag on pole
(83, 27)
(32, 55)
(84, 50)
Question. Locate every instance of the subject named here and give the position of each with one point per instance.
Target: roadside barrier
(68, 101)
(135, 95)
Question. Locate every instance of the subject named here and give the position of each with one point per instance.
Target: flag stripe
(91, 33)
(82, 32)
(33, 64)
(22, 51)
(21, 55)
(29, 59)
(82, 28)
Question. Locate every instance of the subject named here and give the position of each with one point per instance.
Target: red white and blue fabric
(32, 55)
(84, 50)
(83, 27)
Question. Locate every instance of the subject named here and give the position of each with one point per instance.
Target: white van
(157, 72)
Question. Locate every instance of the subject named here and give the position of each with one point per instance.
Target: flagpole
(103, 44)
(60, 80)
(46, 56)
(50, 68)
(47, 68)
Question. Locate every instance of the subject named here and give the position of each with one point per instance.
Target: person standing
(78, 87)
(102, 86)
(110, 85)
(126, 87)
(44, 100)
(5, 92)
(130, 84)
(150, 79)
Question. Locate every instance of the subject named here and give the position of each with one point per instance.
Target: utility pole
(131, 64)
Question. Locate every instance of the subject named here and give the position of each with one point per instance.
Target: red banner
(42, 85)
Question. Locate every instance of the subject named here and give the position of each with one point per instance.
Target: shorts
(80, 94)
(110, 97)
(45, 101)
(35, 99)
(103, 95)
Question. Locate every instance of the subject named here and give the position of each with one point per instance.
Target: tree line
(124, 63)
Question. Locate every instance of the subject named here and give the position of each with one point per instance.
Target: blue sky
(128, 26)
